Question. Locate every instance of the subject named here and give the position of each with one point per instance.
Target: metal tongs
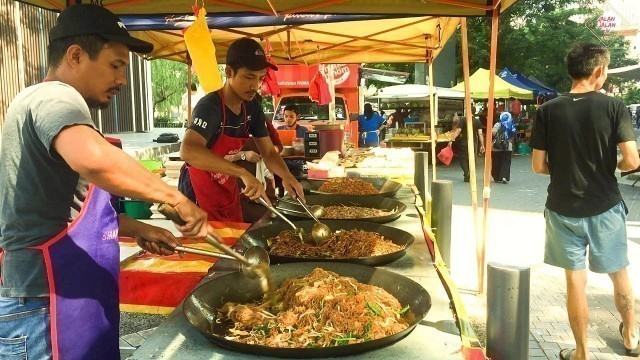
(254, 265)
(299, 232)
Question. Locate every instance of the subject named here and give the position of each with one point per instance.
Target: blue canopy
(507, 76)
(542, 90)
(539, 83)
(238, 20)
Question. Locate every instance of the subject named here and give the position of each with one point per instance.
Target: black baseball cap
(87, 19)
(248, 53)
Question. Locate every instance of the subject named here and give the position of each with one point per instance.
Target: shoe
(504, 181)
(630, 352)
(565, 354)
(466, 179)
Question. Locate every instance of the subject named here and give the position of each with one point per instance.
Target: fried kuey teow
(321, 309)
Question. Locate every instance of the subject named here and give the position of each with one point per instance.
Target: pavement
(516, 237)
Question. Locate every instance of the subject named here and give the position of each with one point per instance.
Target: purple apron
(82, 269)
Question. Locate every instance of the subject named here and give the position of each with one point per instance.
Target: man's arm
(539, 162)
(630, 159)
(276, 165)
(194, 151)
(147, 236)
(111, 169)
(481, 138)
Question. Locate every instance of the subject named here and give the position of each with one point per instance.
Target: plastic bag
(446, 155)
(203, 52)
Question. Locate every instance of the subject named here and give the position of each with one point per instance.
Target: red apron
(218, 194)
(82, 264)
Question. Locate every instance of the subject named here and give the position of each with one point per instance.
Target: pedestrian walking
(574, 139)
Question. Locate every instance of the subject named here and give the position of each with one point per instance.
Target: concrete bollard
(442, 208)
(421, 173)
(508, 312)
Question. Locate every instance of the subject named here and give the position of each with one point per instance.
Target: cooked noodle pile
(321, 309)
(348, 186)
(353, 212)
(345, 244)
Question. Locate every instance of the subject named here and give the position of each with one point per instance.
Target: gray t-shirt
(40, 194)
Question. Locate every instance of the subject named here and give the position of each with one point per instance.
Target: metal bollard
(442, 208)
(507, 312)
(421, 173)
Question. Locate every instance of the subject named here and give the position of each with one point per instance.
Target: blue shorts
(25, 331)
(605, 235)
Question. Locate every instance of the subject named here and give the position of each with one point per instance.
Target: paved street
(517, 238)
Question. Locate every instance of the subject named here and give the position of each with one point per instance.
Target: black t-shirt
(580, 133)
(461, 140)
(207, 119)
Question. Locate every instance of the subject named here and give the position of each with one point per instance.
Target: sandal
(565, 354)
(629, 352)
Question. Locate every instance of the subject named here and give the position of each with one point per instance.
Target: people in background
(504, 134)
(291, 117)
(369, 126)
(460, 144)
(575, 139)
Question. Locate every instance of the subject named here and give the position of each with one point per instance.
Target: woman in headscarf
(504, 133)
(369, 126)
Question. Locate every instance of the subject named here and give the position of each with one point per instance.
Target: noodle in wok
(348, 186)
(321, 309)
(345, 244)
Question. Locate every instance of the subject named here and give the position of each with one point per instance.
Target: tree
(168, 83)
(534, 36)
(632, 96)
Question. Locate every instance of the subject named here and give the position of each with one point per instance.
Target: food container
(287, 151)
(137, 209)
(298, 146)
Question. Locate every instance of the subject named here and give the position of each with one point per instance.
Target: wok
(200, 307)
(289, 208)
(385, 187)
(260, 235)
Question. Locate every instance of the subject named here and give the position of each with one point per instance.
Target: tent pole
(486, 193)
(186, 123)
(471, 147)
(434, 136)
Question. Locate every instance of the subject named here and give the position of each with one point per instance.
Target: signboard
(299, 76)
(608, 22)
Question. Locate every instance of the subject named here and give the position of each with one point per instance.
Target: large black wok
(200, 307)
(292, 210)
(260, 235)
(386, 187)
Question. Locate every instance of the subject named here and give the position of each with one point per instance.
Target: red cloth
(270, 84)
(515, 107)
(319, 90)
(273, 134)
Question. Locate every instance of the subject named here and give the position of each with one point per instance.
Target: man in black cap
(222, 122)
(58, 231)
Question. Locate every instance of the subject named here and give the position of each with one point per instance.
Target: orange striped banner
(156, 284)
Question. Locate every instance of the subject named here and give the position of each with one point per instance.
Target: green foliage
(168, 84)
(535, 35)
(632, 96)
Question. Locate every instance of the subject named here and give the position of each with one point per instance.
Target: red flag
(319, 90)
(270, 84)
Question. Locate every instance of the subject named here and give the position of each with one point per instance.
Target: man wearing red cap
(58, 231)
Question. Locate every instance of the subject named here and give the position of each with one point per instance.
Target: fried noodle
(348, 186)
(321, 309)
(353, 212)
(345, 244)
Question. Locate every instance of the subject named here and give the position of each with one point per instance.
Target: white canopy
(627, 72)
(415, 92)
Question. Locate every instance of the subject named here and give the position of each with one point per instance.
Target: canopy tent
(543, 91)
(404, 39)
(507, 76)
(414, 92)
(539, 83)
(479, 83)
(294, 8)
(628, 72)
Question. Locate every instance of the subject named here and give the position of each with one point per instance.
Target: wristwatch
(243, 156)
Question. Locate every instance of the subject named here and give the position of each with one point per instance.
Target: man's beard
(96, 104)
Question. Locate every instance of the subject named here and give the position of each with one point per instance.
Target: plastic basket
(151, 164)
(137, 209)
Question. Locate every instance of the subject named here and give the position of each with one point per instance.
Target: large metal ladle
(320, 232)
(298, 231)
(317, 210)
(254, 265)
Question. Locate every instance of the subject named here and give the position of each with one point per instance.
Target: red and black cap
(248, 53)
(88, 19)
